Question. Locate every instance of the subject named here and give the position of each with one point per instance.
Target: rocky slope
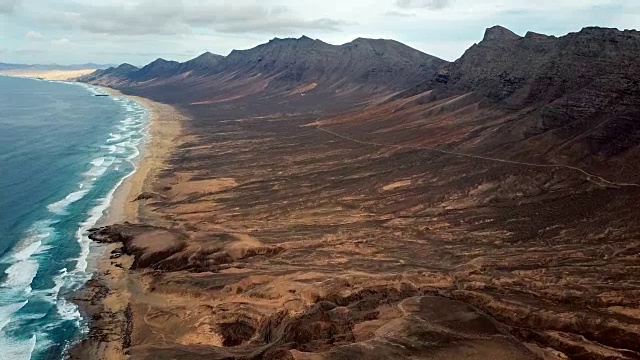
(282, 67)
(485, 210)
(571, 99)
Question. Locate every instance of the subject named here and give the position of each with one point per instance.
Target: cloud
(8, 6)
(399, 14)
(275, 25)
(35, 36)
(164, 17)
(30, 52)
(426, 4)
(61, 42)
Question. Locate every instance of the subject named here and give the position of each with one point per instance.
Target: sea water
(63, 152)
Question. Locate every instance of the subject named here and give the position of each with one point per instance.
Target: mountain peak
(127, 66)
(159, 62)
(202, 62)
(208, 56)
(499, 33)
(362, 40)
(302, 38)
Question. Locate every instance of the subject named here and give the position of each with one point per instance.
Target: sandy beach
(163, 132)
(105, 298)
(59, 75)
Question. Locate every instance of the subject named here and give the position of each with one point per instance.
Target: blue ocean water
(63, 151)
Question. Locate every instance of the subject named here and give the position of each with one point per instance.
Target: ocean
(63, 152)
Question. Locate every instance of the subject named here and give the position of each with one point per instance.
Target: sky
(139, 31)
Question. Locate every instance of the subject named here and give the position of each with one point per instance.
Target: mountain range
(577, 94)
(281, 66)
(371, 201)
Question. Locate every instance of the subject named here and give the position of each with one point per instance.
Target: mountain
(575, 96)
(289, 62)
(287, 65)
(522, 70)
(202, 63)
(369, 201)
(159, 68)
(113, 76)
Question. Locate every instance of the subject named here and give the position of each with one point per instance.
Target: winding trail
(598, 180)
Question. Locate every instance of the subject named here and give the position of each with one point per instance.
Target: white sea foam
(96, 213)
(7, 311)
(120, 149)
(17, 349)
(30, 243)
(68, 310)
(97, 162)
(114, 137)
(96, 172)
(51, 295)
(92, 89)
(20, 275)
(30, 249)
(59, 207)
(110, 148)
(23, 268)
(100, 166)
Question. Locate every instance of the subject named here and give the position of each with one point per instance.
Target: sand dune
(61, 75)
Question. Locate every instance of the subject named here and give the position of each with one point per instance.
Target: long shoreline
(104, 299)
(108, 277)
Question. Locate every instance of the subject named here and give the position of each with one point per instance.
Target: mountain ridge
(285, 64)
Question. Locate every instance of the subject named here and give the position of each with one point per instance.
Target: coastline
(104, 299)
(53, 75)
(162, 132)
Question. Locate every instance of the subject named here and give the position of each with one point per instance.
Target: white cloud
(400, 14)
(35, 36)
(427, 4)
(62, 42)
(171, 17)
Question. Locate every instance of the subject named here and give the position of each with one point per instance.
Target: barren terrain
(439, 223)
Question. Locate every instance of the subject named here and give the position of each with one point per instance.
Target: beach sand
(60, 75)
(163, 133)
(105, 298)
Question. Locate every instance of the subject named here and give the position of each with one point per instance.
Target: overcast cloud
(8, 6)
(137, 31)
(427, 4)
